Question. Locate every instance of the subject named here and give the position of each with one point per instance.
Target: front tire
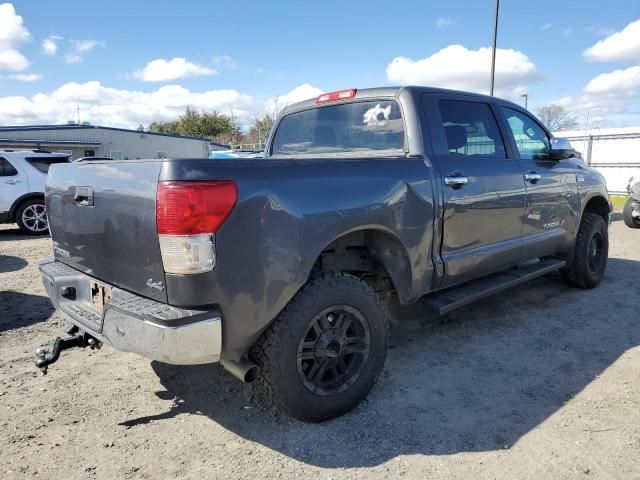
(323, 354)
(627, 213)
(31, 217)
(591, 253)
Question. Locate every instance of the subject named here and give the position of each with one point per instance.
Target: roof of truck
(391, 92)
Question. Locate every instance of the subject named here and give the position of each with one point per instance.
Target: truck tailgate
(102, 217)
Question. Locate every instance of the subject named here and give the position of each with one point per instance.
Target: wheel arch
(598, 204)
(20, 200)
(370, 250)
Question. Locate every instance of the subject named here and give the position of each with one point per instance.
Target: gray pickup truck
(279, 267)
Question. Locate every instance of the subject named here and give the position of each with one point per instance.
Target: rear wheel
(591, 253)
(31, 217)
(324, 353)
(627, 213)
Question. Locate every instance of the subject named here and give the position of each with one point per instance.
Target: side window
(532, 141)
(6, 169)
(471, 129)
(43, 163)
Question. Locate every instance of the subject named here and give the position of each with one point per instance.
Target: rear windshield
(371, 127)
(43, 163)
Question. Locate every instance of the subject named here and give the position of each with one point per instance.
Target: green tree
(195, 124)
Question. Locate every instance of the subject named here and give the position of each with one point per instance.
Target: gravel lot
(540, 383)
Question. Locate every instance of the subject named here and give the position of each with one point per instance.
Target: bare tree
(556, 117)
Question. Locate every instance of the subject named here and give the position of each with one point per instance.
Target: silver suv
(22, 177)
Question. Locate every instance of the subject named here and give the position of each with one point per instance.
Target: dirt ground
(542, 382)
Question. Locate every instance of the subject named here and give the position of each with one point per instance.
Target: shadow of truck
(478, 382)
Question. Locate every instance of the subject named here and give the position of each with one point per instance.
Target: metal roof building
(84, 140)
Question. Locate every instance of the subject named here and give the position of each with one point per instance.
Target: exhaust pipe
(244, 370)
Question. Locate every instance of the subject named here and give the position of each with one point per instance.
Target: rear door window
(43, 163)
(358, 128)
(471, 129)
(6, 169)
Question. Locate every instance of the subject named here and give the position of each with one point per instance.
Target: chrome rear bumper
(135, 324)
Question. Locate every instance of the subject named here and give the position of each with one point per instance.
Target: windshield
(371, 127)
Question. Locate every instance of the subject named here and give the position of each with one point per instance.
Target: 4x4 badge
(156, 285)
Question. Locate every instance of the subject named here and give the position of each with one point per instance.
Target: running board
(457, 297)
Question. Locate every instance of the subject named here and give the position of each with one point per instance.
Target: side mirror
(561, 149)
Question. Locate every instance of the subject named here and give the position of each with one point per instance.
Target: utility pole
(493, 53)
(526, 100)
(78, 113)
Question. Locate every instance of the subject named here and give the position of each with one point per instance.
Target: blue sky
(239, 55)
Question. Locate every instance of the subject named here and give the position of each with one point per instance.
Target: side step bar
(457, 297)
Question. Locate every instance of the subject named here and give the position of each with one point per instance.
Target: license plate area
(100, 295)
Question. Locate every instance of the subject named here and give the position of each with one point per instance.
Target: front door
(13, 184)
(483, 191)
(552, 190)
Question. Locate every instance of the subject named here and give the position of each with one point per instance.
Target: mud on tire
(323, 354)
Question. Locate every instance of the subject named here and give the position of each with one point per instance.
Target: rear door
(13, 184)
(483, 188)
(552, 191)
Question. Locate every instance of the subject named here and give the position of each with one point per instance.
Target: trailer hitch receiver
(77, 338)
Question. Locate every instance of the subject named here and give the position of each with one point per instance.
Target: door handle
(455, 181)
(84, 196)
(532, 177)
(12, 181)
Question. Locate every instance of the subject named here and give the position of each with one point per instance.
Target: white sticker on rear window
(372, 116)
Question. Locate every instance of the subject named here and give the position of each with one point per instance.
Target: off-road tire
(279, 382)
(19, 220)
(579, 274)
(629, 221)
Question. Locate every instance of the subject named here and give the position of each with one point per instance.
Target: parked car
(22, 176)
(631, 211)
(279, 267)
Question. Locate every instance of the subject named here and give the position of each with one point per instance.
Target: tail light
(188, 214)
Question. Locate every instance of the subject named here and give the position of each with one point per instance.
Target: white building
(614, 152)
(86, 140)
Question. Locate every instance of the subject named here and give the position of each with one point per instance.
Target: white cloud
(619, 82)
(444, 22)
(224, 61)
(49, 45)
(161, 70)
(298, 94)
(103, 105)
(620, 46)
(460, 68)
(12, 34)
(546, 26)
(600, 31)
(567, 32)
(79, 49)
(27, 77)
(610, 97)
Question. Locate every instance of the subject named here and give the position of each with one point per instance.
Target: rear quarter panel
(288, 212)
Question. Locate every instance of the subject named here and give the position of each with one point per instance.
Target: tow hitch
(77, 338)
